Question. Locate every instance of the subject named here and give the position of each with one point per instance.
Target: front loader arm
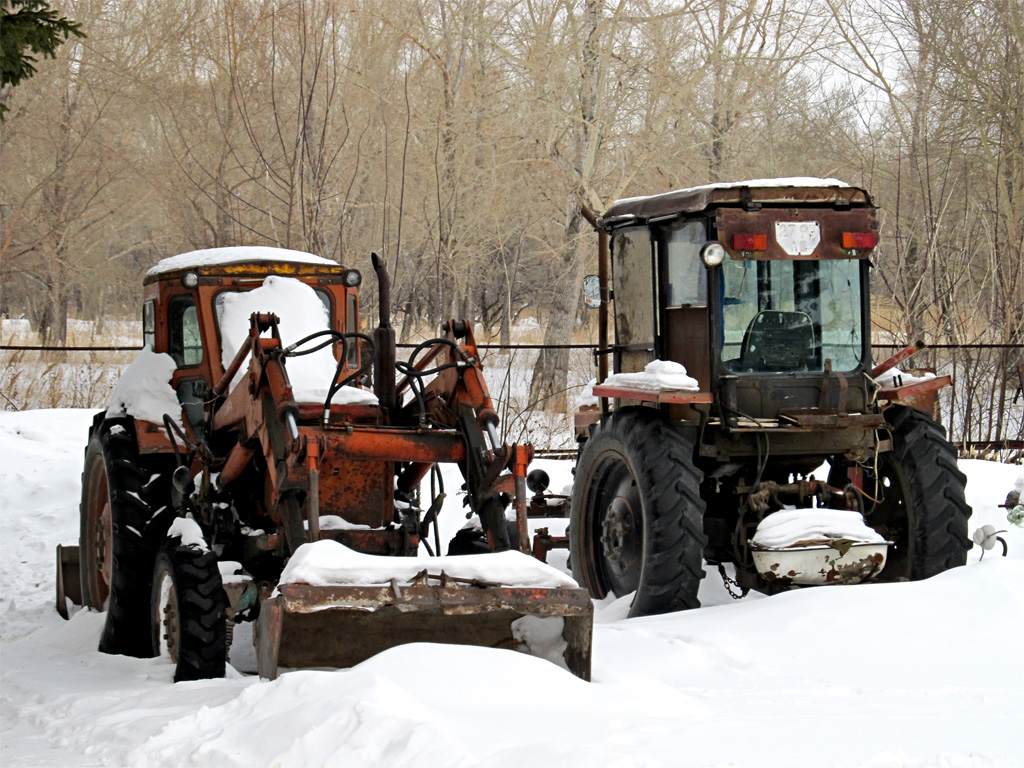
(458, 398)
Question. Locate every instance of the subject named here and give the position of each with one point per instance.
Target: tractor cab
(759, 290)
(753, 288)
(195, 309)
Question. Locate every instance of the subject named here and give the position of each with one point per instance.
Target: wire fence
(983, 411)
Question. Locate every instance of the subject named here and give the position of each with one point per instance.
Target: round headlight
(712, 254)
(190, 279)
(351, 278)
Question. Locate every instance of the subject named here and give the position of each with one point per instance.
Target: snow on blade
(329, 563)
(792, 526)
(144, 390)
(300, 313)
(658, 374)
(211, 257)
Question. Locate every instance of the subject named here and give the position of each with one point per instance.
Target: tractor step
(69, 579)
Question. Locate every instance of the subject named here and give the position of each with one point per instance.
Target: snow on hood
(144, 390)
(209, 257)
(789, 181)
(790, 526)
(659, 374)
(327, 563)
(300, 314)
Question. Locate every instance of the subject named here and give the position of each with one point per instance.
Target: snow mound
(211, 257)
(329, 563)
(144, 390)
(658, 374)
(300, 313)
(790, 527)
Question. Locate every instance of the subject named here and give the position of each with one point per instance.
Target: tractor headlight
(351, 278)
(190, 280)
(712, 253)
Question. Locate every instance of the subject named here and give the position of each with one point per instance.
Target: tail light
(746, 241)
(860, 241)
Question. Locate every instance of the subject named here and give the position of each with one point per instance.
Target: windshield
(301, 311)
(788, 316)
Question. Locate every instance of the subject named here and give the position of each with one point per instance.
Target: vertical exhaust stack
(384, 339)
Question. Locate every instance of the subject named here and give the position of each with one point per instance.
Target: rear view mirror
(592, 291)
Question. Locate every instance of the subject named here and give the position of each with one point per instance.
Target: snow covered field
(875, 676)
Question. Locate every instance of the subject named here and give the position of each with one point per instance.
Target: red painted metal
(913, 390)
(896, 359)
(653, 395)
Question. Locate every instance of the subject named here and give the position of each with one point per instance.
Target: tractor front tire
(189, 621)
(921, 506)
(636, 521)
(139, 514)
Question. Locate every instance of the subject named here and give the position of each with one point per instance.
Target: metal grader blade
(340, 626)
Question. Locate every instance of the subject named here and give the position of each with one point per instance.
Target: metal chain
(730, 583)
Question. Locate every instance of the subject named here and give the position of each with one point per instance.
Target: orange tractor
(247, 470)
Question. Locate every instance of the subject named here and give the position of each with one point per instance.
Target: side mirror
(592, 291)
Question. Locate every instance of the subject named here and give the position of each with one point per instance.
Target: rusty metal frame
(913, 390)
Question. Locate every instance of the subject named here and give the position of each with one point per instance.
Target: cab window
(687, 281)
(149, 324)
(184, 345)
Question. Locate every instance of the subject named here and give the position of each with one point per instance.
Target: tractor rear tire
(636, 521)
(138, 492)
(922, 508)
(189, 620)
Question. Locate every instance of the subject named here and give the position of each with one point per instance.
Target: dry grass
(30, 379)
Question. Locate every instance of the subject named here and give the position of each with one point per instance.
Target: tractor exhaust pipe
(384, 339)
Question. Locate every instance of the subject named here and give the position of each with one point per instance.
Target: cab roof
(260, 258)
(784, 191)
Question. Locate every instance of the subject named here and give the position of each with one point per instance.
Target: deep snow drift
(876, 676)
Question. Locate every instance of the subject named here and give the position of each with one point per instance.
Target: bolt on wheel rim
(167, 612)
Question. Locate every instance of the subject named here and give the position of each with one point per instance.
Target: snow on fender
(144, 390)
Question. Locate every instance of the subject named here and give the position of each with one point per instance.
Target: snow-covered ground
(877, 676)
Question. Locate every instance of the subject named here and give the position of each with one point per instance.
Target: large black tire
(138, 492)
(189, 622)
(96, 557)
(636, 521)
(920, 493)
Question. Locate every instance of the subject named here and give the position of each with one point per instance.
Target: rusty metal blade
(340, 626)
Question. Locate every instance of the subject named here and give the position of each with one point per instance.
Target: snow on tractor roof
(693, 199)
(212, 257)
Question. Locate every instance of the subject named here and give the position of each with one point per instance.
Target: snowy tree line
(458, 139)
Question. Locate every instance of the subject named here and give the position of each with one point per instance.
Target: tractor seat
(778, 341)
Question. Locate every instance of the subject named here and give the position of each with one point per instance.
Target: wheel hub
(617, 531)
(104, 546)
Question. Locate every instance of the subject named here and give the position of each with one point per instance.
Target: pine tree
(29, 28)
